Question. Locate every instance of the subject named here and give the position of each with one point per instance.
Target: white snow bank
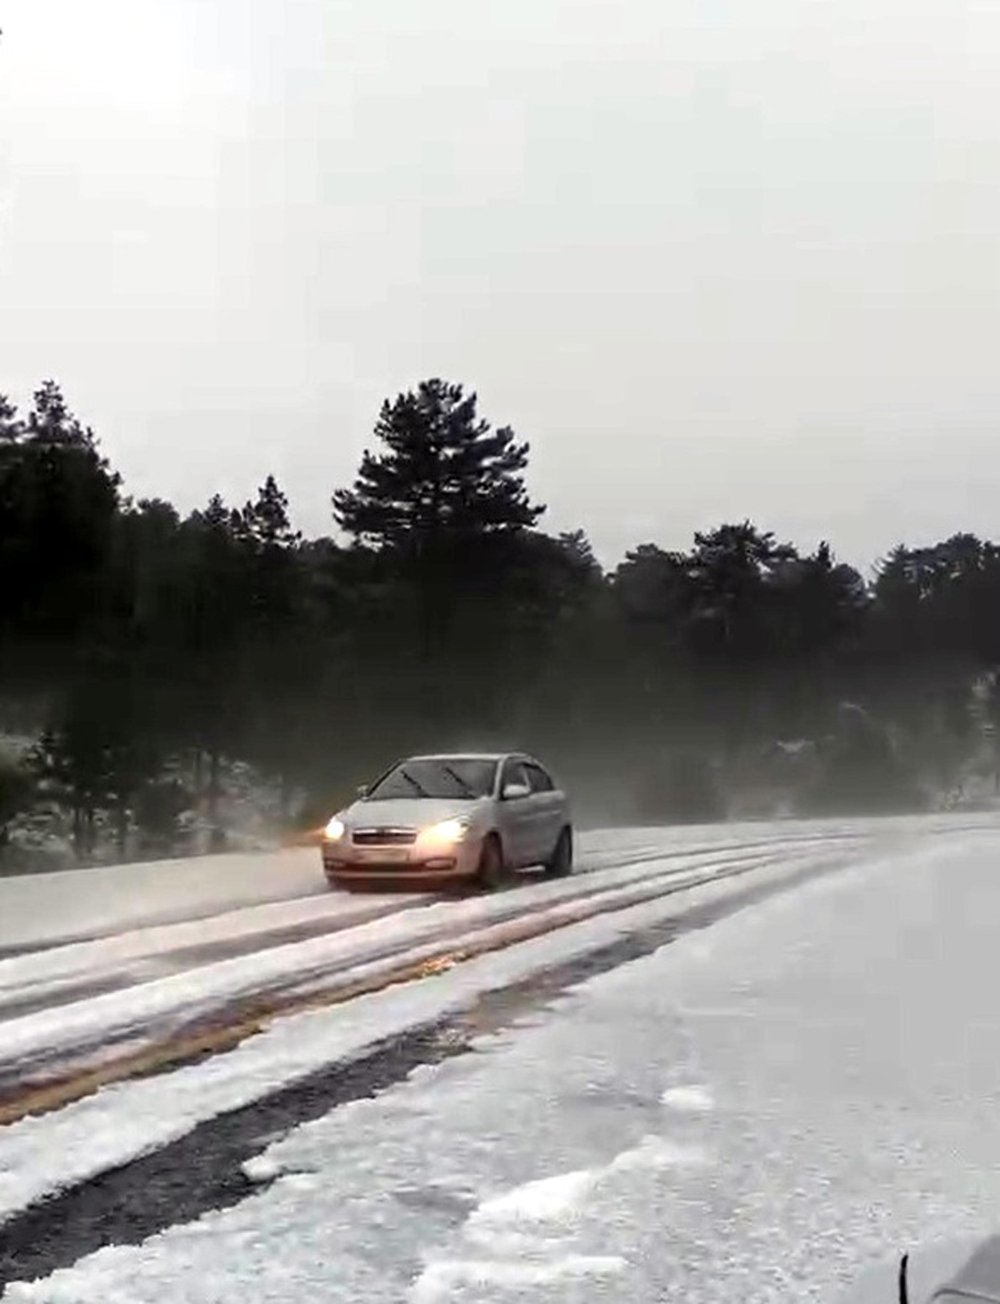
(43, 909)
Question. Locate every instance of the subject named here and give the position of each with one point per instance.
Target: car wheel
(492, 871)
(561, 861)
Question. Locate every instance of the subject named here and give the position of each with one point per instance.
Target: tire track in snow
(189, 956)
(62, 975)
(166, 1024)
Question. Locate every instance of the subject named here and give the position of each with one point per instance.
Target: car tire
(492, 872)
(560, 863)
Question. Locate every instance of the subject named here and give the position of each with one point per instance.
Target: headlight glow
(335, 830)
(446, 831)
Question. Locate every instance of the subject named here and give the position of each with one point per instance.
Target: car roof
(463, 756)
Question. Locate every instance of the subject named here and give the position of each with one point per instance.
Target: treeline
(158, 669)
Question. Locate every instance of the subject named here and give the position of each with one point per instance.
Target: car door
(548, 813)
(515, 815)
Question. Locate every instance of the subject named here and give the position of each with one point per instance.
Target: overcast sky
(718, 259)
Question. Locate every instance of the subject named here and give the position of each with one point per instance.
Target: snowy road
(760, 1107)
(128, 992)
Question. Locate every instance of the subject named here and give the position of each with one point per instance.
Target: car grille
(384, 837)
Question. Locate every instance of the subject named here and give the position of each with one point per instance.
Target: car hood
(408, 812)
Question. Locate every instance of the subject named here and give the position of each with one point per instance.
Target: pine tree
(272, 556)
(266, 522)
(278, 646)
(215, 612)
(729, 570)
(58, 502)
(446, 474)
(440, 506)
(52, 425)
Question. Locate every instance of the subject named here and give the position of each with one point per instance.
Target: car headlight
(446, 831)
(335, 830)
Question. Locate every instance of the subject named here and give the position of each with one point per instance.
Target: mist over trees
(154, 667)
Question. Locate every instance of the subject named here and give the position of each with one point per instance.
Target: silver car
(451, 818)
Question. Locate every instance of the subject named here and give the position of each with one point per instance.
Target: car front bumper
(345, 863)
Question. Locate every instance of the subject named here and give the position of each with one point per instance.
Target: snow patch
(527, 1231)
(439, 1280)
(657, 1152)
(261, 1169)
(544, 1200)
(688, 1099)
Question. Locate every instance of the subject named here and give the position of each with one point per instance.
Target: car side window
(513, 772)
(539, 780)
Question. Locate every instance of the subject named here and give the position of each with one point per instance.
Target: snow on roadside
(45, 909)
(126, 1120)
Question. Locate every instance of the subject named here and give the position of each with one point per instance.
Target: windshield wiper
(469, 791)
(412, 782)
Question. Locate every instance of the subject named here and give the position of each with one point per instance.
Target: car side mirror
(515, 791)
(363, 790)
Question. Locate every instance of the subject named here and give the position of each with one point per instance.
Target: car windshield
(465, 778)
